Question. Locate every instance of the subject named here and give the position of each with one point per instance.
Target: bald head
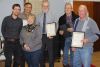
(83, 11)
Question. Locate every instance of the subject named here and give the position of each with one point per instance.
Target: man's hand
(61, 32)
(70, 29)
(74, 49)
(50, 37)
(85, 41)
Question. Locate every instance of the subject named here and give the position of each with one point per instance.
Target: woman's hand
(27, 47)
(70, 30)
(61, 32)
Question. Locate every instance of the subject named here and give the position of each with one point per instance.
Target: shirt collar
(12, 17)
(83, 20)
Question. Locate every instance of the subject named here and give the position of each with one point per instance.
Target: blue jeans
(83, 56)
(33, 58)
(67, 47)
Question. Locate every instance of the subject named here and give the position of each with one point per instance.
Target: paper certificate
(51, 29)
(25, 22)
(77, 39)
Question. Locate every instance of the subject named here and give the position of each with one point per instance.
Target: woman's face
(31, 20)
(68, 9)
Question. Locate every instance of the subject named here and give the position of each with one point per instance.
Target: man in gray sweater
(87, 25)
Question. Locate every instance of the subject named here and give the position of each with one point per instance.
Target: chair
(2, 57)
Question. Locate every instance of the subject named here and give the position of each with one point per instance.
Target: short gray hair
(67, 3)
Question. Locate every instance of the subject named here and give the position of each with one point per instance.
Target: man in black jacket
(66, 27)
(11, 27)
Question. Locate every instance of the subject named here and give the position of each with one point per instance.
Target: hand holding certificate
(51, 29)
(77, 39)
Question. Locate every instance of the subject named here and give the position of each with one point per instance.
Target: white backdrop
(6, 8)
(57, 7)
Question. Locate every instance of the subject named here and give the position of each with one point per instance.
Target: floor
(95, 61)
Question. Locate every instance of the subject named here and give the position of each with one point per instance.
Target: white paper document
(25, 22)
(51, 29)
(77, 39)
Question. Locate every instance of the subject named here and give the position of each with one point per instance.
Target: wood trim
(88, 4)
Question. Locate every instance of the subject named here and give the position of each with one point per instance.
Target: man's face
(28, 8)
(68, 9)
(16, 11)
(45, 7)
(82, 12)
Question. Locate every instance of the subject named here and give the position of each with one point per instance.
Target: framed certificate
(77, 39)
(51, 29)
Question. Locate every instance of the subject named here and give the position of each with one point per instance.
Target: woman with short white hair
(30, 39)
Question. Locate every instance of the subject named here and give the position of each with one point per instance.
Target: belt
(11, 39)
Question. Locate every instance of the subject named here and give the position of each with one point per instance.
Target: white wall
(57, 7)
(6, 8)
(36, 6)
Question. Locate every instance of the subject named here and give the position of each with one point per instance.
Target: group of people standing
(27, 43)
